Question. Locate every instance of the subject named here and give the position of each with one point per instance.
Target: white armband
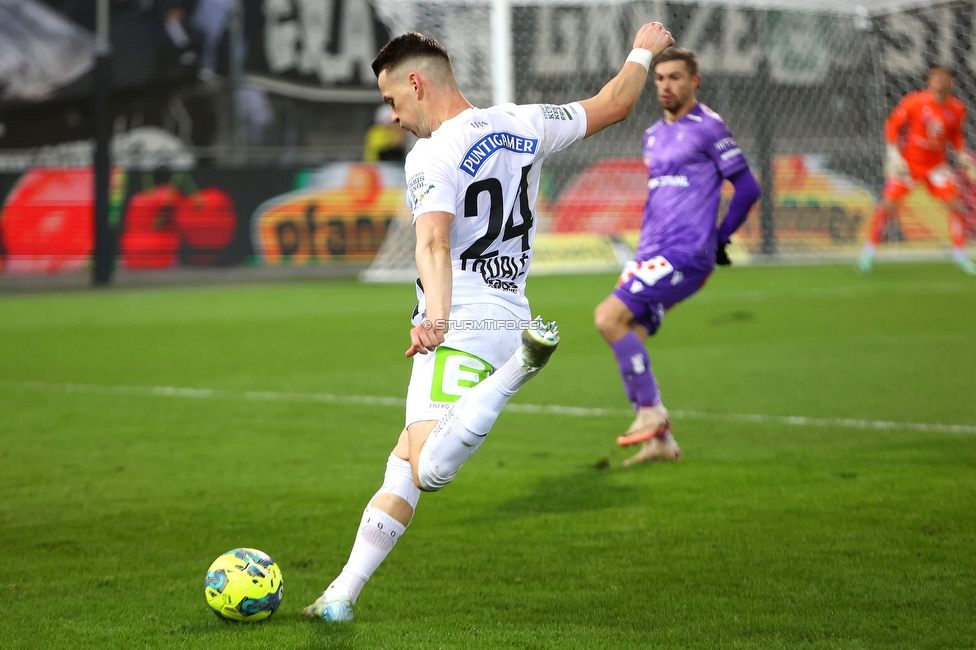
(641, 56)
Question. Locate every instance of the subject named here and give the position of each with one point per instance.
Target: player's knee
(433, 476)
(598, 316)
(608, 323)
(604, 320)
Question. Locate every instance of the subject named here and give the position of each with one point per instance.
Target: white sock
(480, 407)
(378, 534)
(448, 447)
(512, 375)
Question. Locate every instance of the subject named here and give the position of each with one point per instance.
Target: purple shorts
(652, 287)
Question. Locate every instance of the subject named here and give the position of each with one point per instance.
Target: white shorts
(480, 338)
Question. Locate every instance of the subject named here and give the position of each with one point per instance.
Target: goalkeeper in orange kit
(917, 133)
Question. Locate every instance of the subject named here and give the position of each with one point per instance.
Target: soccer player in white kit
(472, 183)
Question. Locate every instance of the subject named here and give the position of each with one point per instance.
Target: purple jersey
(687, 162)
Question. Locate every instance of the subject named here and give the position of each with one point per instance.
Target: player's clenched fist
(653, 37)
(426, 337)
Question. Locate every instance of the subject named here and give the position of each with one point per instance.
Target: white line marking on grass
(545, 409)
(791, 420)
(818, 293)
(804, 421)
(207, 393)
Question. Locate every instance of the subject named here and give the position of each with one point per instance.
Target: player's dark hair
(678, 54)
(409, 46)
(934, 67)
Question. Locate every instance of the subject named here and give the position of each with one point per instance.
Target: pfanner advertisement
(343, 213)
(200, 217)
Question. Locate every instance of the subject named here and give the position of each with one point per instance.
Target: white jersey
(483, 166)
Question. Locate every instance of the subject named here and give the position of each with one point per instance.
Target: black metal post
(104, 254)
(235, 28)
(765, 152)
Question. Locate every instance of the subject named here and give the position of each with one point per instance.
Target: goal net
(804, 86)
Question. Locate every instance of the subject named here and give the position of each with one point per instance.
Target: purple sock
(635, 369)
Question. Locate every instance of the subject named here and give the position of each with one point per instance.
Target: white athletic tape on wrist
(641, 56)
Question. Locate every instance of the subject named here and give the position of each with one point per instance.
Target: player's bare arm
(434, 265)
(619, 97)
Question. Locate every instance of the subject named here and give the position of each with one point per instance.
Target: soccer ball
(243, 585)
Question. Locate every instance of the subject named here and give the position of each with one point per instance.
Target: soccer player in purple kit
(688, 153)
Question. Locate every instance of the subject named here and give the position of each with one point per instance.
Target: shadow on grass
(588, 488)
(332, 636)
(732, 317)
(321, 634)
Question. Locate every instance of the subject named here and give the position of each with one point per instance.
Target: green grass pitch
(142, 433)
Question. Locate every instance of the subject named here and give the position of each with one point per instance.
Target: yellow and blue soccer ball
(243, 585)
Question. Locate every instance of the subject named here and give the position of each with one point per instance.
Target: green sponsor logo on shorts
(455, 372)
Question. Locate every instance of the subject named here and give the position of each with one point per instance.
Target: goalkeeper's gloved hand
(894, 164)
(722, 257)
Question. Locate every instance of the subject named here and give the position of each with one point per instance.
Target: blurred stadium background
(827, 419)
(238, 126)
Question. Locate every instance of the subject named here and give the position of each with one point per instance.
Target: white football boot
(539, 341)
(963, 262)
(651, 422)
(336, 608)
(865, 261)
(662, 448)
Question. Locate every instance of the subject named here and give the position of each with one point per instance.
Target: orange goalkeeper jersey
(921, 127)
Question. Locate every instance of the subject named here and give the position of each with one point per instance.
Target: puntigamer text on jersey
(481, 150)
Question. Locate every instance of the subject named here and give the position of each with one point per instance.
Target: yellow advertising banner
(342, 216)
(556, 253)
